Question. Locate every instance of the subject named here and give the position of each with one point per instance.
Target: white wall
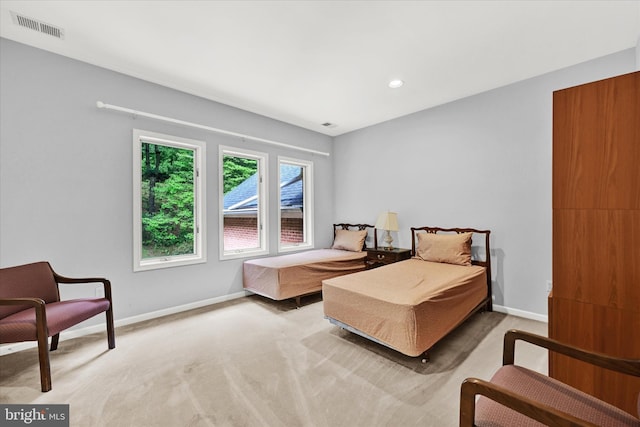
(66, 175)
(483, 162)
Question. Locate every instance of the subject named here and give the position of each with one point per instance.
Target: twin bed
(408, 305)
(299, 274)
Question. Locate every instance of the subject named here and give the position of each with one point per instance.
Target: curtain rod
(101, 104)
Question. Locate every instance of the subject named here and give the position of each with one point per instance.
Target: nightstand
(379, 257)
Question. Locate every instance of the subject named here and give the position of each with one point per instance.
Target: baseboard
(74, 333)
(521, 313)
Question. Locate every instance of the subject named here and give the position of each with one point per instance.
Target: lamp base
(388, 240)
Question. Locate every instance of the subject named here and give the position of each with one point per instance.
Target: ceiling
(314, 62)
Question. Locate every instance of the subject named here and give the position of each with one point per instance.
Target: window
(295, 212)
(168, 205)
(243, 216)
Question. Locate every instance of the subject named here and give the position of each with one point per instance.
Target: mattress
(408, 305)
(288, 276)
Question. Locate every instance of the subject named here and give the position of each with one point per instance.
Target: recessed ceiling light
(394, 84)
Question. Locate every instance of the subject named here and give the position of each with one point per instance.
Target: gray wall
(66, 175)
(66, 192)
(482, 161)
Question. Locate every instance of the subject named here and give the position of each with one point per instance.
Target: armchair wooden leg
(42, 336)
(43, 356)
(54, 342)
(111, 335)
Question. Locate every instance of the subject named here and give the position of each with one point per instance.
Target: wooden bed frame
(485, 304)
(360, 227)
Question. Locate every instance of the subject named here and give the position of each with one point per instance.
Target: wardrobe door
(595, 302)
(596, 145)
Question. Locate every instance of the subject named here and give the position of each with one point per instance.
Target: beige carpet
(256, 362)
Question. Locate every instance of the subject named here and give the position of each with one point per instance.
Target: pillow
(448, 248)
(349, 240)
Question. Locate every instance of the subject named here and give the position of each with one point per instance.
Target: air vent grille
(36, 25)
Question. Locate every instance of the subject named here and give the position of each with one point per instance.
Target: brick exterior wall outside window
(241, 233)
(291, 230)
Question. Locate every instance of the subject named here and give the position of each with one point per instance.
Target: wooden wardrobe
(595, 302)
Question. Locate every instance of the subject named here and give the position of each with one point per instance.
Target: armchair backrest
(34, 280)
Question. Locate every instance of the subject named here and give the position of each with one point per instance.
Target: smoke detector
(37, 25)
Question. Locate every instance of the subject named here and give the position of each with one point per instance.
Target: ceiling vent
(39, 26)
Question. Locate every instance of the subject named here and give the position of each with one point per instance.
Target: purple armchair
(517, 396)
(31, 310)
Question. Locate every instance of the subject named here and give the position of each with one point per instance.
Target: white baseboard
(74, 333)
(521, 313)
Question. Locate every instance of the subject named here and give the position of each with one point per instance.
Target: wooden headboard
(486, 262)
(345, 226)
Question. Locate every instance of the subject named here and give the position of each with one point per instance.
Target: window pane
(241, 203)
(295, 213)
(168, 195)
(291, 204)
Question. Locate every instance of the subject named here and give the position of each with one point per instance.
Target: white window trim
(308, 198)
(263, 203)
(199, 148)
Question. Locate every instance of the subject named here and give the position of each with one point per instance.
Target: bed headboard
(345, 226)
(486, 262)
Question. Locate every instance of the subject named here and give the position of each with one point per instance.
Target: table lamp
(387, 221)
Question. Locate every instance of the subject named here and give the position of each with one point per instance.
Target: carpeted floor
(256, 362)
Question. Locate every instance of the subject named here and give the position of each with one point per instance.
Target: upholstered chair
(517, 396)
(31, 309)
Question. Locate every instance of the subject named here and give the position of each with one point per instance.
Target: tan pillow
(448, 248)
(349, 240)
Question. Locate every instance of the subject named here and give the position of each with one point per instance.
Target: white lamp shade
(387, 221)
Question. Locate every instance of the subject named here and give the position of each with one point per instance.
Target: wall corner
(638, 54)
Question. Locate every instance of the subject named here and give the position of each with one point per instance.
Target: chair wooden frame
(42, 331)
(540, 412)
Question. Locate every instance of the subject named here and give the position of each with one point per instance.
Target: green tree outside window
(168, 195)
